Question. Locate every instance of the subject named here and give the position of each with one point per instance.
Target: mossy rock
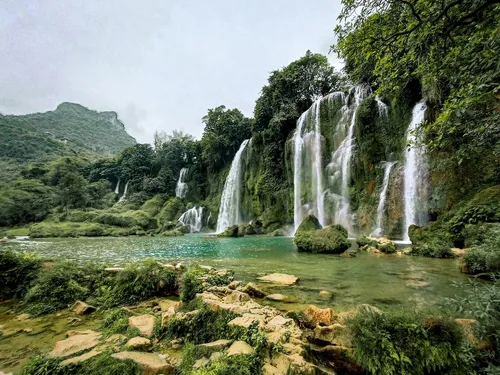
(311, 222)
(383, 244)
(277, 233)
(232, 231)
(326, 240)
(431, 241)
(173, 233)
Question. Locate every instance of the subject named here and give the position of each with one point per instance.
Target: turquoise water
(380, 280)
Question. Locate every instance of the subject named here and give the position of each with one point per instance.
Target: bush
(115, 321)
(435, 249)
(431, 242)
(405, 343)
(191, 283)
(141, 281)
(238, 364)
(326, 240)
(55, 288)
(483, 258)
(17, 272)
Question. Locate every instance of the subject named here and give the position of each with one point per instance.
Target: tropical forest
(351, 225)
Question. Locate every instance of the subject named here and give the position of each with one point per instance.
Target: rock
(80, 358)
(237, 297)
(335, 334)
(165, 304)
(167, 315)
(23, 316)
(176, 344)
(269, 369)
(277, 323)
(314, 315)
(234, 284)
(341, 358)
(216, 345)
(382, 244)
(74, 332)
(73, 320)
(114, 269)
(82, 308)
(310, 222)
(144, 323)
(459, 252)
(325, 295)
(277, 297)
(151, 363)
(202, 362)
(117, 338)
(351, 253)
(332, 239)
(240, 347)
(273, 337)
(290, 348)
(74, 344)
(280, 278)
(232, 231)
(371, 250)
(215, 356)
(138, 343)
(254, 291)
(247, 320)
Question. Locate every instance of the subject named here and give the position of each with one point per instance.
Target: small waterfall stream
(229, 211)
(415, 174)
(383, 197)
(117, 188)
(192, 218)
(181, 188)
(125, 190)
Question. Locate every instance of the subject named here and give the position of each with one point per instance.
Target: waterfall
(317, 181)
(297, 172)
(383, 197)
(192, 218)
(181, 188)
(209, 217)
(415, 174)
(124, 196)
(381, 107)
(229, 211)
(117, 188)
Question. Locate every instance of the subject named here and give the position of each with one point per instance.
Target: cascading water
(192, 218)
(181, 188)
(415, 174)
(117, 188)
(229, 211)
(125, 190)
(383, 197)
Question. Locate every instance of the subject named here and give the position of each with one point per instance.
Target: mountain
(68, 129)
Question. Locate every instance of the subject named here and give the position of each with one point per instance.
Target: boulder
(381, 243)
(269, 369)
(237, 297)
(138, 343)
(277, 297)
(232, 231)
(167, 315)
(278, 322)
(240, 347)
(327, 240)
(166, 304)
(234, 284)
(335, 334)
(75, 344)
(314, 315)
(151, 363)
(247, 320)
(280, 278)
(253, 290)
(311, 222)
(351, 253)
(117, 338)
(216, 346)
(80, 358)
(82, 308)
(144, 323)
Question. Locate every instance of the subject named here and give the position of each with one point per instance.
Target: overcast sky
(159, 63)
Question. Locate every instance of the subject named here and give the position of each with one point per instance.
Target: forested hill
(70, 126)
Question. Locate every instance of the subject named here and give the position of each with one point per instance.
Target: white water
(297, 172)
(415, 174)
(117, 188)
(192, 218)
(383, 111)
(383, 197)
(317, 181)
(181, 188)
(124, 196)
(229, 211)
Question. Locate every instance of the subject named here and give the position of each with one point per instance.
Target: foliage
(140, 281)
(309, 223)
(431, 241)
(55, 288)
(237, 364)
(191, 283)
(49, 229)
(382, 244)
(115, 321)
(326, 240)
(483, 258)
(481, 302)
(17, 272)
(405, 343)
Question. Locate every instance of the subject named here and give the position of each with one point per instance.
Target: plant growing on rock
(17, 271)
(326, 240)
(191, 283)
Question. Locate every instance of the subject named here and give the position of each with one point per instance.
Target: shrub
(326, 240)
(56, 288)
(17, 271)
(431, 242)
(141, 281)
(435, 249)
(483, 258)
(405, 343)
(115, 321)
(191, 283)
(238, 364)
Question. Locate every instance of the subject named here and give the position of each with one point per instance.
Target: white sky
(161, 64)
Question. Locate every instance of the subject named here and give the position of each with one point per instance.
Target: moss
(309, 223)
(233, 231)
(382, 244)
(171, 211)
(326, 240)
(153, 206)
(17, 272)
(115, 321)
(191, 283)
(172, 233)
(405, 343)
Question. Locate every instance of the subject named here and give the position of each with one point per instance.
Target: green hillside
(68, 129)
